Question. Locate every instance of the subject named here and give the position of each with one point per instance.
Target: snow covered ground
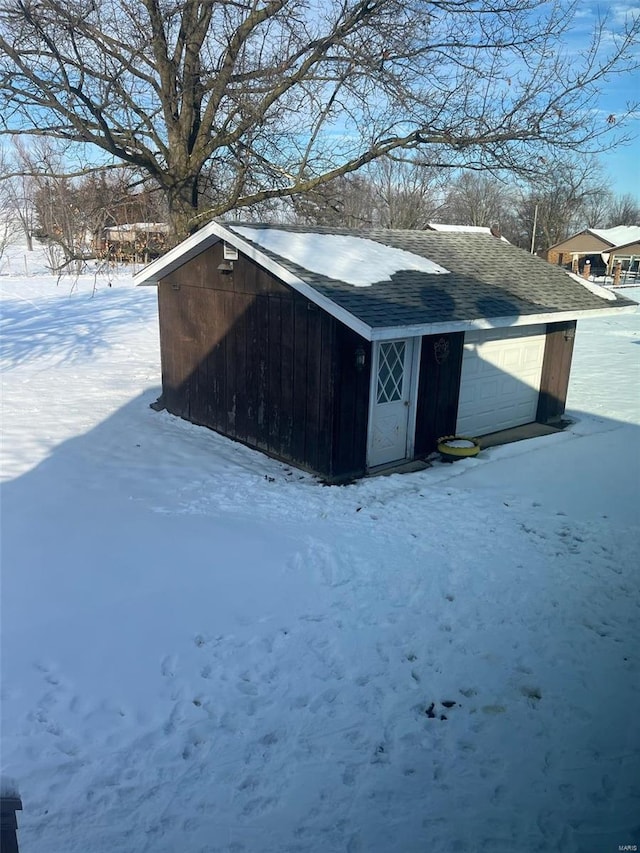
(206, 650)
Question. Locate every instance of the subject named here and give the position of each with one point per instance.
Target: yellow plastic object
(452, 446)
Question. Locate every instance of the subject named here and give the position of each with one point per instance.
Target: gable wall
(586, 244)
(247, 356)
(632, 249)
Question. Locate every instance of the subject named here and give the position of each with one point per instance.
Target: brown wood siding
(299, 331)
(247, 356)
(285, 438)
(438, 389)
(351, 405)
(247, 277)
(556, 368)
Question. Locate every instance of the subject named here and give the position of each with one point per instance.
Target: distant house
(140, 241)
(592, 243)
(344, 352)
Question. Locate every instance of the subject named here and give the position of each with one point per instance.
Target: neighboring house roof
(618, 236)
(468, 229)
(386, 283)
(593, 240)
(626, 249)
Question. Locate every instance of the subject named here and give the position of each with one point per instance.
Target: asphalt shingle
(488, 279)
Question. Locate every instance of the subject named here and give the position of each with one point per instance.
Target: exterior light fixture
(361, 357)
(226, 267)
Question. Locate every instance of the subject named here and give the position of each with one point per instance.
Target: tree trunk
(182, 202)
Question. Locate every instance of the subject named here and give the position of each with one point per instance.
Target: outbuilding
(344, 352)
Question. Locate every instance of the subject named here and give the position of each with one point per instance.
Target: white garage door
(501, 371)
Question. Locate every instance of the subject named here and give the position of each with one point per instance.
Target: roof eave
(392, 332)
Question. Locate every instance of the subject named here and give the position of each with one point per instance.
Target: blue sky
(621, 165)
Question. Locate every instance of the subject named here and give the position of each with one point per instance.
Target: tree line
(572, 196)
(72, 213)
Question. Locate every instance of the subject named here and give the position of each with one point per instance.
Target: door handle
(406, 402)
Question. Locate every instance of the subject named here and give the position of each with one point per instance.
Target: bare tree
(389, 193)
(16, 193)
(480, 200)
(347, 201)
(596, 208)
(59, 211)
(9, 224)
(278, 97)
(559, 204)
(623, 210)
(408, 192)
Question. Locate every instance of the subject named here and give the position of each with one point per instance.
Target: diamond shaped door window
(390, 371)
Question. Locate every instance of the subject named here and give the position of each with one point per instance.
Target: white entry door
(391, 405)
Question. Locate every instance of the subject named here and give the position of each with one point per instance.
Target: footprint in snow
(380, 755)
(498, 794)
(382, 652)
(567, 793)
(168, 666)
(349, 775)
(270, 739)
(192, 747)
(247, 688)
(175, 718)
(249, 783)
(325, 699)
(258, 806)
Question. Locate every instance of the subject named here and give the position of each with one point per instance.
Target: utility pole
(535, 223)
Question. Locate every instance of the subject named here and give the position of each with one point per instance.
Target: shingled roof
(488, 281)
